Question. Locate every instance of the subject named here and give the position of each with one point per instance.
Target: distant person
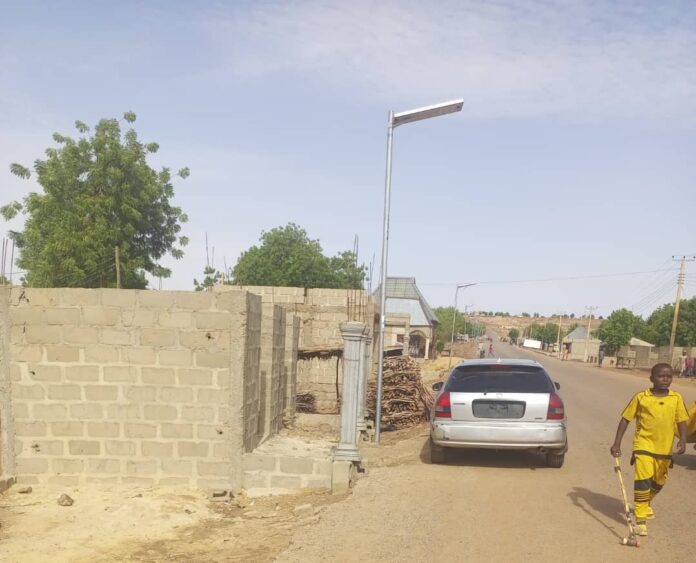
(490, 351)
(689, 366)
(681, 364)
(566, 351)
(600, 357)
(656, 411)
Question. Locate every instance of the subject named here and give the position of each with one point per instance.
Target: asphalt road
(507, 506)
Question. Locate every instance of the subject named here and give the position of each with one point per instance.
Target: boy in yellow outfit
(656, 412)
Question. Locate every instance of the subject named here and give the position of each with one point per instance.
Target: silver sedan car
(499, 404)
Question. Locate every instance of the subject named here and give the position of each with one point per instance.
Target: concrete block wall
(128, 386)
(7, 463)
(321, 312)
(292, 339)
(272, 369)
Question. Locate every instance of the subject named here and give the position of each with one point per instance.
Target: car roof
(499, 361)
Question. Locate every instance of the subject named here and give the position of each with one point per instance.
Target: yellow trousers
(650, 477)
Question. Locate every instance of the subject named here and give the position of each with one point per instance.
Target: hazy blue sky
(574, 155)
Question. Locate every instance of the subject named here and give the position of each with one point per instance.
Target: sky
(572, 160)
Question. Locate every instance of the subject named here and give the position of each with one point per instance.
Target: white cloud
(507, 59)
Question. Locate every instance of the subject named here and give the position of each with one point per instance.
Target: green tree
(212, 276)
(99, 193)
(513, 333)
(658, 327)
(287, 257)
(618, 328)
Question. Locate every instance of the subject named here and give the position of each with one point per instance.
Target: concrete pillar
(353, 334)
(362, 380)
(427, 348)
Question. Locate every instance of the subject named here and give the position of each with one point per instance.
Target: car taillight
(442, 406)
(556, 410)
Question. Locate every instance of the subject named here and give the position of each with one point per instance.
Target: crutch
(632, 538)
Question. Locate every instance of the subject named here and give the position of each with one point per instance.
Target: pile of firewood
(405, 401)
(304, 402)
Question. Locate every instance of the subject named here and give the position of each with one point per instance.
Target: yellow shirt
(655, 420)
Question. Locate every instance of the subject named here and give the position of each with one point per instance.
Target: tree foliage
(98, 193)
(514, 333)
(618, 328)
(287, 257)
(658, 327)
(211, 278)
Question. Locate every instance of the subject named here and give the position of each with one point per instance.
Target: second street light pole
(454, 318)
(396, 119)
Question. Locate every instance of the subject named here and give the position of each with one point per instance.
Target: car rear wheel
(437, 453)
(555, 460)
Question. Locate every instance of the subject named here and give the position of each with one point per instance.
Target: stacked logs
(305, 402)
(405, 401)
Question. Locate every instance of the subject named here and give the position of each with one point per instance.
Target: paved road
(502, 506)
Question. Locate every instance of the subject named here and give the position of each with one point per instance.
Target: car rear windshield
(499, 378)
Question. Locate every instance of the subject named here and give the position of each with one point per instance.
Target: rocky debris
(219, 495)
(303, 511)
(24, 490)
(405, 400)
(65, 500)
(242, 501)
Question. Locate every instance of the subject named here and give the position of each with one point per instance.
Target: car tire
(555, 460)
(437, 454)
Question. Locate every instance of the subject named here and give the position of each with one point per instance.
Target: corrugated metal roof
(639, 342)
(410, 307)
(401, 289)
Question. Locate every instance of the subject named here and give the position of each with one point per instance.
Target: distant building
(576, 342)
(409, 321)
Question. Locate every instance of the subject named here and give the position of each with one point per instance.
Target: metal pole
(383, 282)
(675, 319)
(587, 337)
(558, 340)
(454, 318)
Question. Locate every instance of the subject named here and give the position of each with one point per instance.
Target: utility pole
(590, 310)
(558, 338)
(118, 268)
(680, 285)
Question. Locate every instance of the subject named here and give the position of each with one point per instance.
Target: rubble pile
(405, 401)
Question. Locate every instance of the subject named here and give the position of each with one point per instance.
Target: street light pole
(454, 318)
(396, 119)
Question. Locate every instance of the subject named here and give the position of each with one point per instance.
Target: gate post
(353, 334)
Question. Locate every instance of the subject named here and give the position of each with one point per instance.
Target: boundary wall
(321, 312)
(134, 386)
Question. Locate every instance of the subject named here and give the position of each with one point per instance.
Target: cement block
(115, 374)
(194, 376)
(123, 412)
(31, 466)
(101, 392)
(157, 337)
(65, 392)
(42, 334)
(63, 316)
(179, 358)
(140, 394)
(27, 353)
(134, 430)
(193, 449)
(50, 412)
(218, 468)
(67, 465)
(100, 354)
(28, 391)
(286, 482)
(84, 447)
(117, 337)
(80, 335)
(213, 359)
(64, 480)
(111, 466)
(20, 410)
(82, 373)
(212, 321)
(177, 467)
(157, 449)
(198, 414)
(138, 355)
(156, 299)
(147, 467)
(48, 447)
(139, 318)
(193, 300)
(71, 297)
(213, 396)
(87, 411)
(67, 428)
(259, 462)
(210, 432)
(119, 447)
(120, 298)
(170, 430)
(103, 429)
(101, 316)
(169, 319)
(176, 395)
(30, 429)
(256, 480)
(44, 372)
(62, 354)
(160, 412)
(158, 376)
(342, 477)
(296, 465)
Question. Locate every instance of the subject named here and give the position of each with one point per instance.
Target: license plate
(498, 409)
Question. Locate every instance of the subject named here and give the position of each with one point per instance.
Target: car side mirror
(437, 386)
(558, 385)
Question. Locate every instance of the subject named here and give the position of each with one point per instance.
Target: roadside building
(577, 342)
(409, 321)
